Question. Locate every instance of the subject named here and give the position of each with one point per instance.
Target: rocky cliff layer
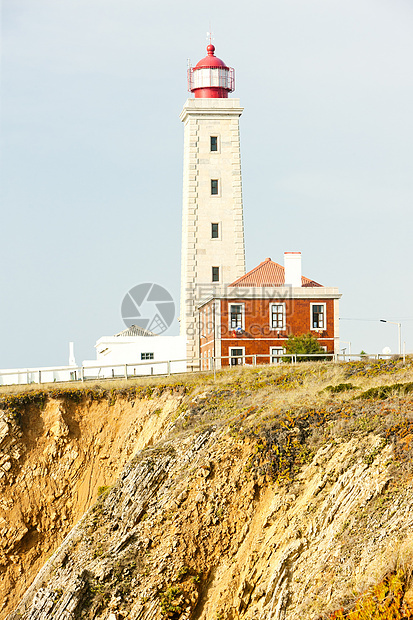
(261, 496)
(56, 449)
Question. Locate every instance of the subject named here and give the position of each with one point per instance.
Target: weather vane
(209, 34)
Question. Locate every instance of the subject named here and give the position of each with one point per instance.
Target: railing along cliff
(55, 374)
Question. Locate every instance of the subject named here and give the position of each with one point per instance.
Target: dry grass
(302, 384)
(108, 384)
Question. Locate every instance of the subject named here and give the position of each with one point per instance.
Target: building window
(214, 187)
(208, 320)
(276, 352)
(236, 356)
(277, 316)
(318, 316)
(215, 274)
(236, 316)
(147, 356)
(214, 144)
(203, 323)
(214, 231)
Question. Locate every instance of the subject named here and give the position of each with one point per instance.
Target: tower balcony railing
(211, 77)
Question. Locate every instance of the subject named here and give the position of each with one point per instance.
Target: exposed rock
(279, 551)
(4, 427)
(62, 453)
(190, 523)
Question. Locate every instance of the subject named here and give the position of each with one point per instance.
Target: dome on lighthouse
(211, 78)
(211, 60)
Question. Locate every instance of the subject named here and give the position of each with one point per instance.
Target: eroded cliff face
(250, 503)
(53, 459)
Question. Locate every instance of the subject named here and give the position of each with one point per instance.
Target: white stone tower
(213, 248)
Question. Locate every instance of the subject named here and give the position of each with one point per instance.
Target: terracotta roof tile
(268, 273)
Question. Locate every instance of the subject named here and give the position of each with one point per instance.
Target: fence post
(169, 367)
(254, 360)
(82, 373)
(40, 376)
(126, 371)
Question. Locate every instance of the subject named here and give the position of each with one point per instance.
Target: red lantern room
(211, 78)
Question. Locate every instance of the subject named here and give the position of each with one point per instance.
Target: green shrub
(172, 602)
(341, 387)
(103, 490)
(303, 345)
(386, 391)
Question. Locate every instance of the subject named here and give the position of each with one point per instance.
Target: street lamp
(399, 325)
(349, 345)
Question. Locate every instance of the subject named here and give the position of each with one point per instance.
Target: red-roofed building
(250, 320)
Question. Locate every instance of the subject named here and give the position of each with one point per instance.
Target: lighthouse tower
(213, 249)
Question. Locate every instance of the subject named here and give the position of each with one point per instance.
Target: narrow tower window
(214, 143)
(214, 231)
(214, 187)
(215, 274)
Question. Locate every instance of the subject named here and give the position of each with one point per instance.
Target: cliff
(269, 493)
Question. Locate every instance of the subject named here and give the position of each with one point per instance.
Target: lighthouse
(213, 247)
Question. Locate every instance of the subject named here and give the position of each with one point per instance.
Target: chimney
(292, 265)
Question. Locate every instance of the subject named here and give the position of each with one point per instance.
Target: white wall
(120, 350)
(202, 119)
(112, 353)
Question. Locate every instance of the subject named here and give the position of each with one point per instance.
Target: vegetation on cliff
(271, 492)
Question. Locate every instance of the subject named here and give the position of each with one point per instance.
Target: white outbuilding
(142, 351)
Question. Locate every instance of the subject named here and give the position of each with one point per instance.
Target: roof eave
(278, 292)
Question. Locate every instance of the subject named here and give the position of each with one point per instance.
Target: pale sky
(92, 145)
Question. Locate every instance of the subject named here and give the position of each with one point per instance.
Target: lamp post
(399, 326)
(349, 345)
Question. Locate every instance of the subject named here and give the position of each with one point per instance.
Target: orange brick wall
(258, 337)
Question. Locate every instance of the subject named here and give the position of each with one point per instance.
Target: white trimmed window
(214, 187)
(277, 316)
(275, 353)
(213, 144)
(203, 323)
(236, 316)
(318, 316)
(237, 356)
(147, 356)
(215, 230)
(208, 320)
